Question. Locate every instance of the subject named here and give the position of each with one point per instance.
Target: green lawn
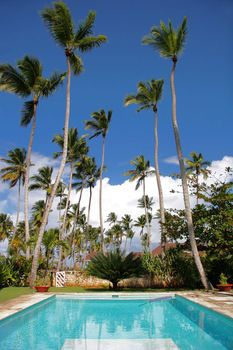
(14, 292)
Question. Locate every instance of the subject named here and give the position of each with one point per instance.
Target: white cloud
(171, 160)
(122, 198)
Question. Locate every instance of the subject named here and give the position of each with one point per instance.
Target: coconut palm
(26, 80)
(93, 174)
(140, 222)
(99, 124)
(76, 148)
(6, 226)
(14, 173)
(127, 225)
(60, 24)
(42, 181)
(148, 95)
(197, 166)
(139, 173)
(170, 43)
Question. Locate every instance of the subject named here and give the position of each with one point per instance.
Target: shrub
(115, 266)
(175, 269)
(6, 273)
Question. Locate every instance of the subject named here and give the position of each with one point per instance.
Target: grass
(14, 292)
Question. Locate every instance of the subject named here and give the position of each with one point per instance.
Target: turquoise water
(47, 325)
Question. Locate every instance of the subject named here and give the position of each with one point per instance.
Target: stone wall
(80, 279)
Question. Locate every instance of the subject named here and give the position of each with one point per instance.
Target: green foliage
(222, 279)
(167, 40)
(115, 266)
(175, 269)
(14, 271)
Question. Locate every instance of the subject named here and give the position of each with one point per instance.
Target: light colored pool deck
(219, 302)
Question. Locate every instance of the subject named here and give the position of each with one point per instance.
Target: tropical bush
(115, 266)
(14, 271)
(6, 273)
(175, 269)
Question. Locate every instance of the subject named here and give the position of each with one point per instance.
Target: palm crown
(142, 169)
(27, 80)
(15, 171)
(99, 123)
(167, 40)
(77, 146)
(42, 180)
(60, 23)
(148, 95)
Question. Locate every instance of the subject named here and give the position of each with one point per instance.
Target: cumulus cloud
(171, 160)
(121, 199)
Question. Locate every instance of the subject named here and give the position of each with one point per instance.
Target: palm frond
(76, 64)
(59, 22)
(31, 69)
(85, 28)
(27, 113)
(12, 81)
(89, 43)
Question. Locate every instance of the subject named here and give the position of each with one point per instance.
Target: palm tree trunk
(159, 185)
(18, 209)
(188, 212)
(26, 182)
(197, 191)
(89, 205)
(146, 212)
(62, 235)
(100, 199)
(58, 178)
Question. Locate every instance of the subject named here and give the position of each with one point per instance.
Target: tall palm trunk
(188, 212)
(27, 174)
(58, 178)
(18, 208)
(146, 212)
(159, 185)
(197, 190)
(62, 233)
(89, 205)
(100, 198)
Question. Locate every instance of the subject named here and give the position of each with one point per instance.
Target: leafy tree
(26, 80)
(99, 124)
(60, 24)
(14, 173)
(141, 171)
(170, 43)
(148, 95)
(115, 266)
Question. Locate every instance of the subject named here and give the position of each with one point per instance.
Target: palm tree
(141, 171)
(14, 173)
(99, 124)
(6, 226)
(60, 24)
(127, 225)
(140, 222)
(42, 181)
(26, 80)
(148, 95)
(76, 148)
(170, 43)
(93, 174)
(197, 166)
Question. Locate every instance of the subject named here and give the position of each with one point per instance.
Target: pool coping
(202, 298)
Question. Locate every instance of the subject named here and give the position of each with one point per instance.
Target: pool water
(49, 324)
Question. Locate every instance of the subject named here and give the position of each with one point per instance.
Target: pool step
(119, 344)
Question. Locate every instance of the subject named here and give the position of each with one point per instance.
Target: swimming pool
(65, 323)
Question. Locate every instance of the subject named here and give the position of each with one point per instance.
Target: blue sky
(203, 78)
